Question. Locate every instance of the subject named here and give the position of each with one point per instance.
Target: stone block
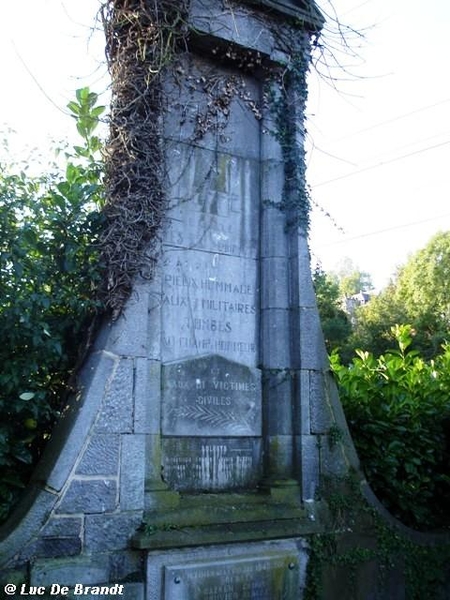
(24, 523)
(273, 240)
(89, 570)
(312, 346)
(214, 202)
(52, 548)
(147, 396)
(300, 269)
(59, 526)
(101, 456)
(321, 415)
(190, 117)
(89, 496)
(132, 472)
(112, 532)
(127, 565)
(279, 456)
(69, 434)
(303, 425)
(278, 398)
(237, 26)
(116, 415)
(333, 460)
(274, 282)
(128, 335)
(134, 591)
(310, 466)
(275, 335)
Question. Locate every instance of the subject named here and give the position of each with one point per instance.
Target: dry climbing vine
(142, 38)
(145, 39)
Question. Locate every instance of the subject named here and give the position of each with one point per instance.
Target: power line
(394, 119)
(379, 231)
(380, 164)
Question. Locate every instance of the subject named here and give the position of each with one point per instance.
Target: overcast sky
(378, 131)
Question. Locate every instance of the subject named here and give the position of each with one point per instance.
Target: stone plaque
(209, 306)
(270, 577)
(221, 213)
(211, 464)
(211, 396)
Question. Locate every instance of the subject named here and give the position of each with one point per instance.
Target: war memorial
(203, 451)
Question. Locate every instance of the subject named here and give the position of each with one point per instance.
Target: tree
(351, 279)
(419, 295)
(49, 272)
(336, 325)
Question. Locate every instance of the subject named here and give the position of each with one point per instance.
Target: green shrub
(48, 275)
(398, 410)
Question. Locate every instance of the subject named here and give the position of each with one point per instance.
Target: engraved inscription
(211, 396)
(214, 201)
(211, 464)
(272, 577)
(209, 305)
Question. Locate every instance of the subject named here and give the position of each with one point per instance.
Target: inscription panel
(211, 464)
(211, 396)
(271, 577)
(214, 201)
(209, 306)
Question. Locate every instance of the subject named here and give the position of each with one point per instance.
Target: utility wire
(394, 119)
(379, 231)
(380, 164)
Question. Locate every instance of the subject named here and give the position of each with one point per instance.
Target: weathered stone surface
(62, 526)
(263, 571)
(147, 394)
(221, 214)
(279, 389)
(321, 416)
(25, 523)
(312, 347)
(209, 306)
(89, 496)
(275, 288)
(303, 404)
(310, 461)
(211, 396)
(110, 531)
(55, 466)
(116, 415)
(129, 334)
(190, 119)
(275, 331)
(126, 565)
(132, 472)
(101, 457)
(52, 548)
(211, 464)
(68, 572)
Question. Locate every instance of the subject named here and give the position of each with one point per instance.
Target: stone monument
(190, 464)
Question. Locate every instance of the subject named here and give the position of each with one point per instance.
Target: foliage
(335, 322)
(398, 410)
(419, 295)
(48, 275)
(351, 279)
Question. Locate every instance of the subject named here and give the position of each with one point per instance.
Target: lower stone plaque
(270, 577)
(211, 464)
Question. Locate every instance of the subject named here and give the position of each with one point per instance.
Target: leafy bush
(48, 275)
(398, 410)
